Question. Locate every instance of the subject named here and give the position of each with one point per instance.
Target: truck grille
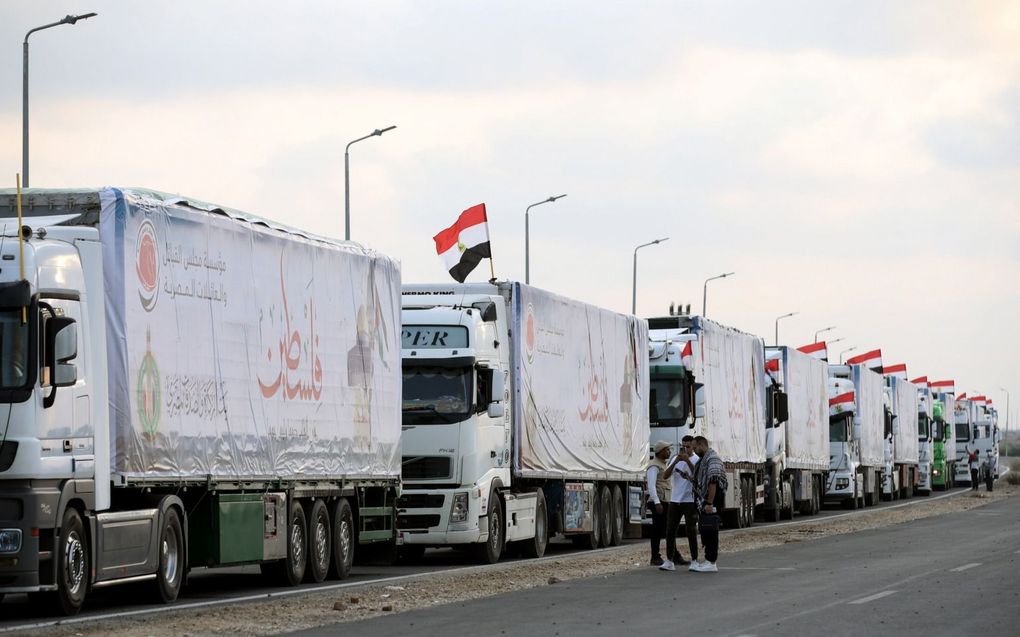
(420, 501)
(425, 467)
(405, 522)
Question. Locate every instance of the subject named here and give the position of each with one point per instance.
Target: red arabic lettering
(290, 358)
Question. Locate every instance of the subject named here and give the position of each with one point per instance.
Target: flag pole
(492, 266)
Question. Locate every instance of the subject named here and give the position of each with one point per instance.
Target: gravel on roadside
(276, 616)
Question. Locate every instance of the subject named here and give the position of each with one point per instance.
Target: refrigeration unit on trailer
(188, 385)
(857, 421)
(797, 459)
(720, 373)
(525, 414)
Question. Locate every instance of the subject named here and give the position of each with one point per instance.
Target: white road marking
(756, 568)
(871, 598)
(960, 569)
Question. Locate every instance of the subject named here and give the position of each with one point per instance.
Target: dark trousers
(974, 479)
(688, 511)
(711, 541)
(658, 528)
(989, 480)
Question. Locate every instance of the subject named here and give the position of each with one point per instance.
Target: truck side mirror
(62, 337)
(699, 400)
(497, 388)
(781, 406)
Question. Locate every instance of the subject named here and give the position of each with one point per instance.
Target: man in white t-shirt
(680, 471)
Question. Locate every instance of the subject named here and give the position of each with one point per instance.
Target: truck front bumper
(842, 486)
(27, 511)
(423, 518)
(924, 478)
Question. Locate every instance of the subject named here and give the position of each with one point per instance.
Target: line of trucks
(187, 385)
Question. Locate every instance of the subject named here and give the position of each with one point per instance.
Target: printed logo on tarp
(530, 338)
(148, 394)
(147, 265)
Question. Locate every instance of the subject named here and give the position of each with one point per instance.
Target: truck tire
(343, 541)
(492, 549)
(787, 512)
(536, 546)
(320, 542)
(291, 570)
(606, 513)
(72, 564)
(171, 559)
(750, 501)
(620, 516)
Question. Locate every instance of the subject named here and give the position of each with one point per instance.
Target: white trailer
(902, 478)
(722, 372)
(856, 440)
(525, 415)
(925, 439)
(194, 387)
(798, 449)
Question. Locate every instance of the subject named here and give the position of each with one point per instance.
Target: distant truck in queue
(709, 380)
(525, 415)
(899, 477)
(944, 459)
(857, 421)
(188, 385)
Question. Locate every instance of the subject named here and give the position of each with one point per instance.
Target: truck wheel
(750, 501)
(619, 516)
(72, 564)
(343, 541)
(787, 513)
(490, 552)
(320, 543)
(590, 541)
(535, 547)
(291, 570)
(171, 558)
(742, 505)
(606, 513)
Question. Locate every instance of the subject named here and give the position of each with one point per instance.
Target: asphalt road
(956, 574)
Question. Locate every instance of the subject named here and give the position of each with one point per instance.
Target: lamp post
(633, 299)
(779, 318)
(347, 177)
(1006, 437)
(835, 340)
(71, 19)
(527, 235)
(704, 291)
(823, 330)
(846, 351)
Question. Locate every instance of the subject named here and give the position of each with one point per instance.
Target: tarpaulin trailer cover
(869, 421)
(805, 381)
(905, 408)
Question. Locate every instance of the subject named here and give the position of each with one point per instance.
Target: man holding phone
(680, 471)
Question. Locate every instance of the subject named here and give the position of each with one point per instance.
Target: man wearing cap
(658, 496)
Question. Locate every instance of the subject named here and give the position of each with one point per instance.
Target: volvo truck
(857, 420)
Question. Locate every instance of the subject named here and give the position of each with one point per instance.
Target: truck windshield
(922, 427)
(962, 432)
(938, 428)
(13, 350)
(666, 403)
(838, 427)
(437, 394)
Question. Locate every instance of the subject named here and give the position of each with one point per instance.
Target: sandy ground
(316, 609)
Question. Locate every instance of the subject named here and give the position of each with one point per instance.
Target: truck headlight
(459, 507)
(936, 472)
(10, 540)
(842, 483)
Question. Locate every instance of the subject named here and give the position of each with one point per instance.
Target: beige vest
(663, 485)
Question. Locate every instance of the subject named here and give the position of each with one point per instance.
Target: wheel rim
(540, 533)
(345, 540)
(297, 543)
(494, 522)
(322, 544)
(170, 556)
(74, 563)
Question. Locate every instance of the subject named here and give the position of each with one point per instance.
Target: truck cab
(844, 438)
(456, 440)
(925, 440)
(672, 388)
(964, 438)
(943, 467)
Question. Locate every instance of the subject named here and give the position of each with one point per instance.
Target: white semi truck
(525, 414)
(963, 416)
(857, 422)
(925, 439)
(710, 380)
(899, 478)
(798, 449)
(986, 430)
(188, 385)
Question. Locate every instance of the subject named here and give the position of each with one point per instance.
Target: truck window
(922, 427)
(838, 428)
(13, 350)
(438, 391)
(666, 402)
(937, 429)
(962, 432)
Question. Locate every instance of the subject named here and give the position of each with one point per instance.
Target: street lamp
(827, 329)
(347, 177)
(1006, 437)
(779, 318)
(71, 19)
(704, 292)
(846, 351)
(633, 300)
(835, 340)
(527, 235)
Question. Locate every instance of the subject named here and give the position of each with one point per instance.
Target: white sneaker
(695, 566)
(667, 565)
(709, 567)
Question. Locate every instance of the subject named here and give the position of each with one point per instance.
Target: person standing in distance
(658, 496)
(710, 483)
(681, 505)
(991, 465)
(972, 462)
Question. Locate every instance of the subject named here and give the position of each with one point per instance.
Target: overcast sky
(856, 162)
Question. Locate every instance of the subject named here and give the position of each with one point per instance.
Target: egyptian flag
(872, 360)
(944, 386)
(963, 396)
(815, 350)
(899, 371)
(980, 401)
(687, 356)
(841, 404)
(465, 243)
(921, 380)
